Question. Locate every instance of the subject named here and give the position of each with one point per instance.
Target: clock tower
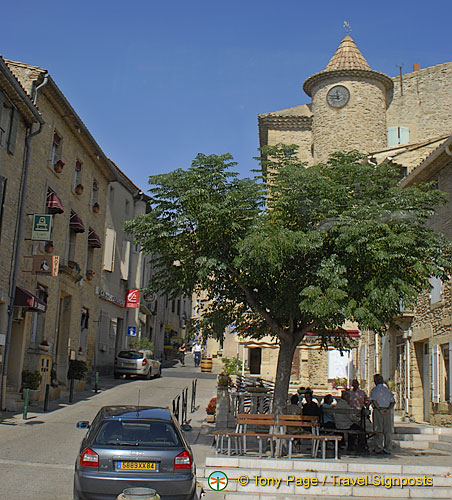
(349, 102)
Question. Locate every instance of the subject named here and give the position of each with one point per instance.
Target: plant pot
(44, 348)
(210, 418)
(71, 264)
(58, 166)
(79, 189)
(96, 208)
(49, 248)
(89, 277)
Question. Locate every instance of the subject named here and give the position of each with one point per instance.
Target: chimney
(416, 67)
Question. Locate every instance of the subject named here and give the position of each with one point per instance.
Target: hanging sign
(132, 331)
(133, 298)
(46, 264)
(42, 227)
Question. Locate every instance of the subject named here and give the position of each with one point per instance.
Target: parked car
(137, 362)
(131, 447)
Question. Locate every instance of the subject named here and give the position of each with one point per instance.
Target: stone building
(67, 182)
(18, 116)
(402, 120)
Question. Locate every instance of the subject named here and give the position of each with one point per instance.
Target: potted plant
(71, 264)
(44, 345)
(31, 379)
(339, 383)
(58, 166)
(79, 189)
(96, 208)
(90, 274)
(77, 369)
(48, 247)
(211, 409)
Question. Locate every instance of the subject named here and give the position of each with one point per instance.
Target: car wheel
(159, 373)
(148, 374)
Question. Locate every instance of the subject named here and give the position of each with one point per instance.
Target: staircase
(420, 437)
(270, 479)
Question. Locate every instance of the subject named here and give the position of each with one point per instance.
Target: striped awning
(94, 240)
(54, 204)
(76, 224)
(24, 298)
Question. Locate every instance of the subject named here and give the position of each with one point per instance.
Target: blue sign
(132, 331)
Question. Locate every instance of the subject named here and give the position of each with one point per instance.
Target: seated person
(346, 419)
(293, 408)
(327, 416)
(311, 408)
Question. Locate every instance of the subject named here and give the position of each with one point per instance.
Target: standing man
(197, 351)
(358, 397)
(383, 401)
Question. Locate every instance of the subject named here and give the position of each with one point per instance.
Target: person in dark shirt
(310, 408)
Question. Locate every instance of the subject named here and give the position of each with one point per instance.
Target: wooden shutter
(13, 132)
(404, 135)
(393, 136)
(435, 373)
(125, 257)
(109, 251)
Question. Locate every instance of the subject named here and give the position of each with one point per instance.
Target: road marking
(36, 464)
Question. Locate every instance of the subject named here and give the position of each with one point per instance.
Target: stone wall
(426, 104)
(302, 138)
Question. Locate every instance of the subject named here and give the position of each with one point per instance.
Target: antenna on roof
(347, 28)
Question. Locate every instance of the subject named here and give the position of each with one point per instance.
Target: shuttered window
(398, 135)
(109, 251)
(436, 290)
(435, 373)
(125, 257)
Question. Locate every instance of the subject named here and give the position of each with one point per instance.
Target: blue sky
(158, 82)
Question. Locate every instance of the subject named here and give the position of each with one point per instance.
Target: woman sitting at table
(346, 419)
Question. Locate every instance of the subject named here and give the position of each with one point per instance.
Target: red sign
(133, 298)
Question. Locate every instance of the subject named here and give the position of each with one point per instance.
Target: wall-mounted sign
(132, 331)
(149, 296)
(111, 298)
(42, 227)
(133, 298)
(46, 264)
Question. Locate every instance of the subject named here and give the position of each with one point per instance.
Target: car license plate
(136, 465)
(130, 364)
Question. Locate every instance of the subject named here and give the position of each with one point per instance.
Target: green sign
(42, 227)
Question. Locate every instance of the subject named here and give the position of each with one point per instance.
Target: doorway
(426, 381)
(254, 360)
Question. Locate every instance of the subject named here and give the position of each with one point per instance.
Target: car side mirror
(83, 424)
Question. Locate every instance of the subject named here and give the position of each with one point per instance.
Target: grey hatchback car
(137, 362)
(134, 446)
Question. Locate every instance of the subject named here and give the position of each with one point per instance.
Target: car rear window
(131, 355)
(138, 432)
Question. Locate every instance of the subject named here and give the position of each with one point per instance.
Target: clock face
(338, 96)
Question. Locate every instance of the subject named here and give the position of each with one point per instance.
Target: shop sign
(46, 264)
(42, 227)
(133, 298)
(111, 298)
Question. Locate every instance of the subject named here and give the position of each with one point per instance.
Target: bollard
(46, 398)
(193, 395)
(71, 390)
(26, 396)
(96, 382)
(139, 494)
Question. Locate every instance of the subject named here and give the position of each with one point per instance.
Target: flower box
(58, 166)
(96, 208)
(48, 247)
(79, 189)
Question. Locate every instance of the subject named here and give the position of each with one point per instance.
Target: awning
(345, 333)
(54, 203)
(76, 224)
(24, 298)
(94, 240)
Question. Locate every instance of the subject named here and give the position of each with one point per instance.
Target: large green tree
(297, 250)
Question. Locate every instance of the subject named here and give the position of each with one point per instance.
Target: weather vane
(347, 28)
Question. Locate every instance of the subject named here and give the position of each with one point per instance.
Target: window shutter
(450, 372)
(125, 256)
(435, 374)
(404, 135)
(13, 132)
(2, 100)
(109, 253)
(393, 136)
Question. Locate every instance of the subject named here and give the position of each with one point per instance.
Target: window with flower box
(78, 177)
(56, 152)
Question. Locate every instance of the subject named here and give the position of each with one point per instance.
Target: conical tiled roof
(347, 56)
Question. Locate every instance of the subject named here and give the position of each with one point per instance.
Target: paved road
(37, 455)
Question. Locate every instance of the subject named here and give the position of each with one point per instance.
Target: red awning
(24, 298)
(54, 203)
(346, 333)
(94, 240)
(76, 224)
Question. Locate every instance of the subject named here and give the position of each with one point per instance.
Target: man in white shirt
(197, 351)
(383, 402)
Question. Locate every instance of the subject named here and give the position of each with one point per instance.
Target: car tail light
(89, 458)
(183, 461)
(144, 362)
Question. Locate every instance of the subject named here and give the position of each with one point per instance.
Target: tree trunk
(285, 357)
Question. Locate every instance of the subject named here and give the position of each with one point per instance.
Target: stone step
(412, 445)
(421, 429)
(416, 437)
(443, 446)
(445, 438)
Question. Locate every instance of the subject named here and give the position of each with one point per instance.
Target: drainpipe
(16, 254)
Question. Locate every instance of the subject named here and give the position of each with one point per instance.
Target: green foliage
(141, 343)
(230, 365)
(31, 379)
(77, 369)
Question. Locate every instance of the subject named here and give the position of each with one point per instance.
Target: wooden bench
(243, 420)
(287, 421)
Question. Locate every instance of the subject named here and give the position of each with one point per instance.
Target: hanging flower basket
(96, 208)
(48, 247)
(79, 189)
(44, 345)
(58, 166)
(90, 274)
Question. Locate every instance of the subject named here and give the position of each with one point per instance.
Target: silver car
(137, 362)
(130, 447)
